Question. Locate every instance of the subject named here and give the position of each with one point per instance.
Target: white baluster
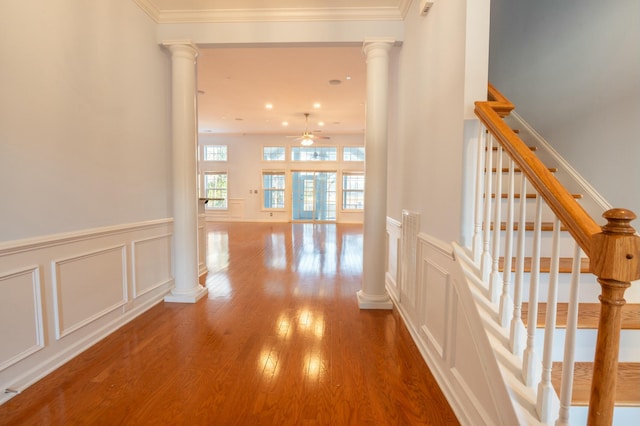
(547, 398)
(480, 172)
(518, 331)
(530, 362)
(485, 263)
(495, 277)
(566, 388)
(506, 303)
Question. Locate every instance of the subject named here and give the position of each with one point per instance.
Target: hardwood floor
(279, 341)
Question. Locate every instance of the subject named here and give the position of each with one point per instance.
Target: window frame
(226, 153)
(346, 149)
(284, 149)
(310, 148)
(211, 204)
(345, 191)
(273, 189)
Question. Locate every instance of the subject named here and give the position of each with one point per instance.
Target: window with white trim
(273, 153)
(273, 185)
(310, 153)
(352, 190)
(216, 189)
(215, 152)
(353, 153)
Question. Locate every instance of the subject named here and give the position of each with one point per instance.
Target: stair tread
(588, 315)
(531, 196)
(519, 170)
(545, 264)
(532, 148)
(627, 384)
(528, 226)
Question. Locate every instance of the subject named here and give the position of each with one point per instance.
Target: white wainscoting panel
(60, 294)
(88, 286)
(202, 245)
(236, 208)
(151, 262)
(435, 288)
(394, 231)
(441, 315)
(20, 316)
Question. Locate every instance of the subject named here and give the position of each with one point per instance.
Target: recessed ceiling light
(284, 123)
(348, 77)
(269, 106)
(334, 82)
(317, 105)
(321, 123)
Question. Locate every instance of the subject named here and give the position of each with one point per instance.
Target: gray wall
(84, 117)
(572, 68)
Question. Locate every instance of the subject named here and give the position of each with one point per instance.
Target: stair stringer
(492, 342)
(448, 329)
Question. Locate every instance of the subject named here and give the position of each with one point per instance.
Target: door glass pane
(314, 195)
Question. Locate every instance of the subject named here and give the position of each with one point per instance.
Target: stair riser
(621, 415)
(586, 343)
(588, 292)
(566, 243)
(547, 214)
(517, 183)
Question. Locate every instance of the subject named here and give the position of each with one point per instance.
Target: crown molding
(149, 8)
(275, 14)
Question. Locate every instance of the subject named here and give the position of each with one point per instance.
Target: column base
(186, 297)
(366, 301)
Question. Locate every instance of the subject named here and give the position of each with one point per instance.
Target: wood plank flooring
(278, 341)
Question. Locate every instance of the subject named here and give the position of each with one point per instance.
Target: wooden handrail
(613, 250)
(499, 103)
(562, 203)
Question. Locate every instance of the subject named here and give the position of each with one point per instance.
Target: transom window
(215, 153)
(352, 191)
(273, 153)
(353, 153)
(318, 153)
(216, 188)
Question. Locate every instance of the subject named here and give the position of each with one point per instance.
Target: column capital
(371, 44)
(181, 46)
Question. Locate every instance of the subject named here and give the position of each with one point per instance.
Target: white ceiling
(239, 81)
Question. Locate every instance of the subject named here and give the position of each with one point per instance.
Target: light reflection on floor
(298, 264)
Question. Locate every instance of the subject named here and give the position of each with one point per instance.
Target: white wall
(433, 95)
(84, 117)
(245, 165)
(571, 68)
(85, 217)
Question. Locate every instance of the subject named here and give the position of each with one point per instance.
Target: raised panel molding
(20, 315)
(148, 273)
(435, 285)
(77, 303)
(62, 293)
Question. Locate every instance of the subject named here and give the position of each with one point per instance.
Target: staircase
(545, 270)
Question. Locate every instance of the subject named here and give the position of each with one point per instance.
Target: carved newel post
(615, 260)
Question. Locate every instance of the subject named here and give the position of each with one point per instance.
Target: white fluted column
(373, 294)
(184, 155)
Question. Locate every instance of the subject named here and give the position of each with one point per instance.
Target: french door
(314, 196)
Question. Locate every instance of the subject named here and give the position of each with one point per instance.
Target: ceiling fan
(307, 137)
